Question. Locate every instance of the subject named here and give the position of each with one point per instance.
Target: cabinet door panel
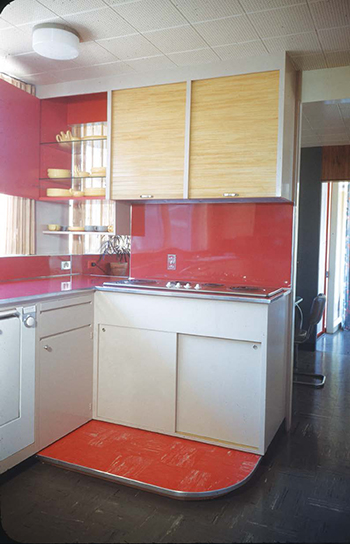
(148, 142)
(19, 142)
(136, 377)
(65, 383)
(219, 389)
(234, 133)
(17, 370)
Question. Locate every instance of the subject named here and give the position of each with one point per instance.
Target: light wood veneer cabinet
(234, 136)
(148, 135)
(217, 138)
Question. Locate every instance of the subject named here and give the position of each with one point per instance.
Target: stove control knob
(188, 286)
(178, 285)
(169, 284)
(197, 286)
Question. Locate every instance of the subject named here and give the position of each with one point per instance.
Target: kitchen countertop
(17, 292)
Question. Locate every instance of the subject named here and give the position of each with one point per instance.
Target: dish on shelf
(101, 170)
(64, 229)
(95, 191)
(76, 193)
(110, 228)
(66, 137)
(79, 173)
(89, 228)
(58, 173)
(101, 229)
(58, 192)
(74, 229)
(94, 137)
(53, 227)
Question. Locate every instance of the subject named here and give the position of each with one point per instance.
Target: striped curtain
(27, 87)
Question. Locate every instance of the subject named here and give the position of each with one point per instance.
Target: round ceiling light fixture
(55, 41)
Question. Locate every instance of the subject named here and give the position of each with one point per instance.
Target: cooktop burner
(212, 284)
(205, 288)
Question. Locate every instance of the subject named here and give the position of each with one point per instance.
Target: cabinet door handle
(47, 347)
(146, 196)
(230, 194)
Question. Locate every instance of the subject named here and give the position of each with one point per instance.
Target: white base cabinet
(137, 377)
(206, 370)
(219, 385)
(65, 357)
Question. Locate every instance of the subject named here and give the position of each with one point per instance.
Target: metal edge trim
(231, 298)
(180, 495)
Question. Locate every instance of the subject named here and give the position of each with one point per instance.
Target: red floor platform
(167, 465)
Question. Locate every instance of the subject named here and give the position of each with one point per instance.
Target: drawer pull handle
(146, 196)
(47, 348)
(230, 194)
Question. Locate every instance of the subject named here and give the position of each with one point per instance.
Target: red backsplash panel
(230, 243)
(31, 266)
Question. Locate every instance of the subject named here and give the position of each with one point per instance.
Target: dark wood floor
(300, 493)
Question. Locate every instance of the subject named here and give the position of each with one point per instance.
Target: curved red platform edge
(171, 466)
(137, 484)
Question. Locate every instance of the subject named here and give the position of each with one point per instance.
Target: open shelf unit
(80, 233)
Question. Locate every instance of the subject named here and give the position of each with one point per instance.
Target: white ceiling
(121, 36)
(326, 123)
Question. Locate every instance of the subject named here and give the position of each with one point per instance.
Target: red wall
(230, 243)
(19, 142)
(31, 266)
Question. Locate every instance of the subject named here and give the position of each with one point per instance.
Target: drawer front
(55, 321)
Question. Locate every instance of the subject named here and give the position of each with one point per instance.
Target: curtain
(17, 226)
(346, 307)
(27, 87)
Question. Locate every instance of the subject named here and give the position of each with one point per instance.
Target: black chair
(302, 335)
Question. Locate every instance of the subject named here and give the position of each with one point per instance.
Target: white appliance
(17, 379)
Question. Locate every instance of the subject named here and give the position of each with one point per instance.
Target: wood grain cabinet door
(148, 142)
(234, 133)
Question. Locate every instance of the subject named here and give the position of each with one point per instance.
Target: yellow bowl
(54, 173)
(75, 229)
(58, 192)
(95, 191)
(54, 227)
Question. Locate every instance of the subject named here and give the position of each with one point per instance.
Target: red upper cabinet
(19, 142)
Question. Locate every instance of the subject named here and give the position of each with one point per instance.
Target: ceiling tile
(117, 2)
(15, 41)
(46, 78)
(281, 22)
(130, 47)
(335, 39)
(206, 10)
(4, 24)
(150, 14)
(310, 62)
(66, 7)
(93, 53)
(92, 72)
(32, 63)
(331, 13)
(98, 24)
(238, 50)
(151, 63)
(337, 58)
(226, 31)
(296, 44)
(345, 110)
(321, 115)
(21, 12)
(261, 5)
(172, 40)
(200, 56)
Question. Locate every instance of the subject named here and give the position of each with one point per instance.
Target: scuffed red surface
(160, 460)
